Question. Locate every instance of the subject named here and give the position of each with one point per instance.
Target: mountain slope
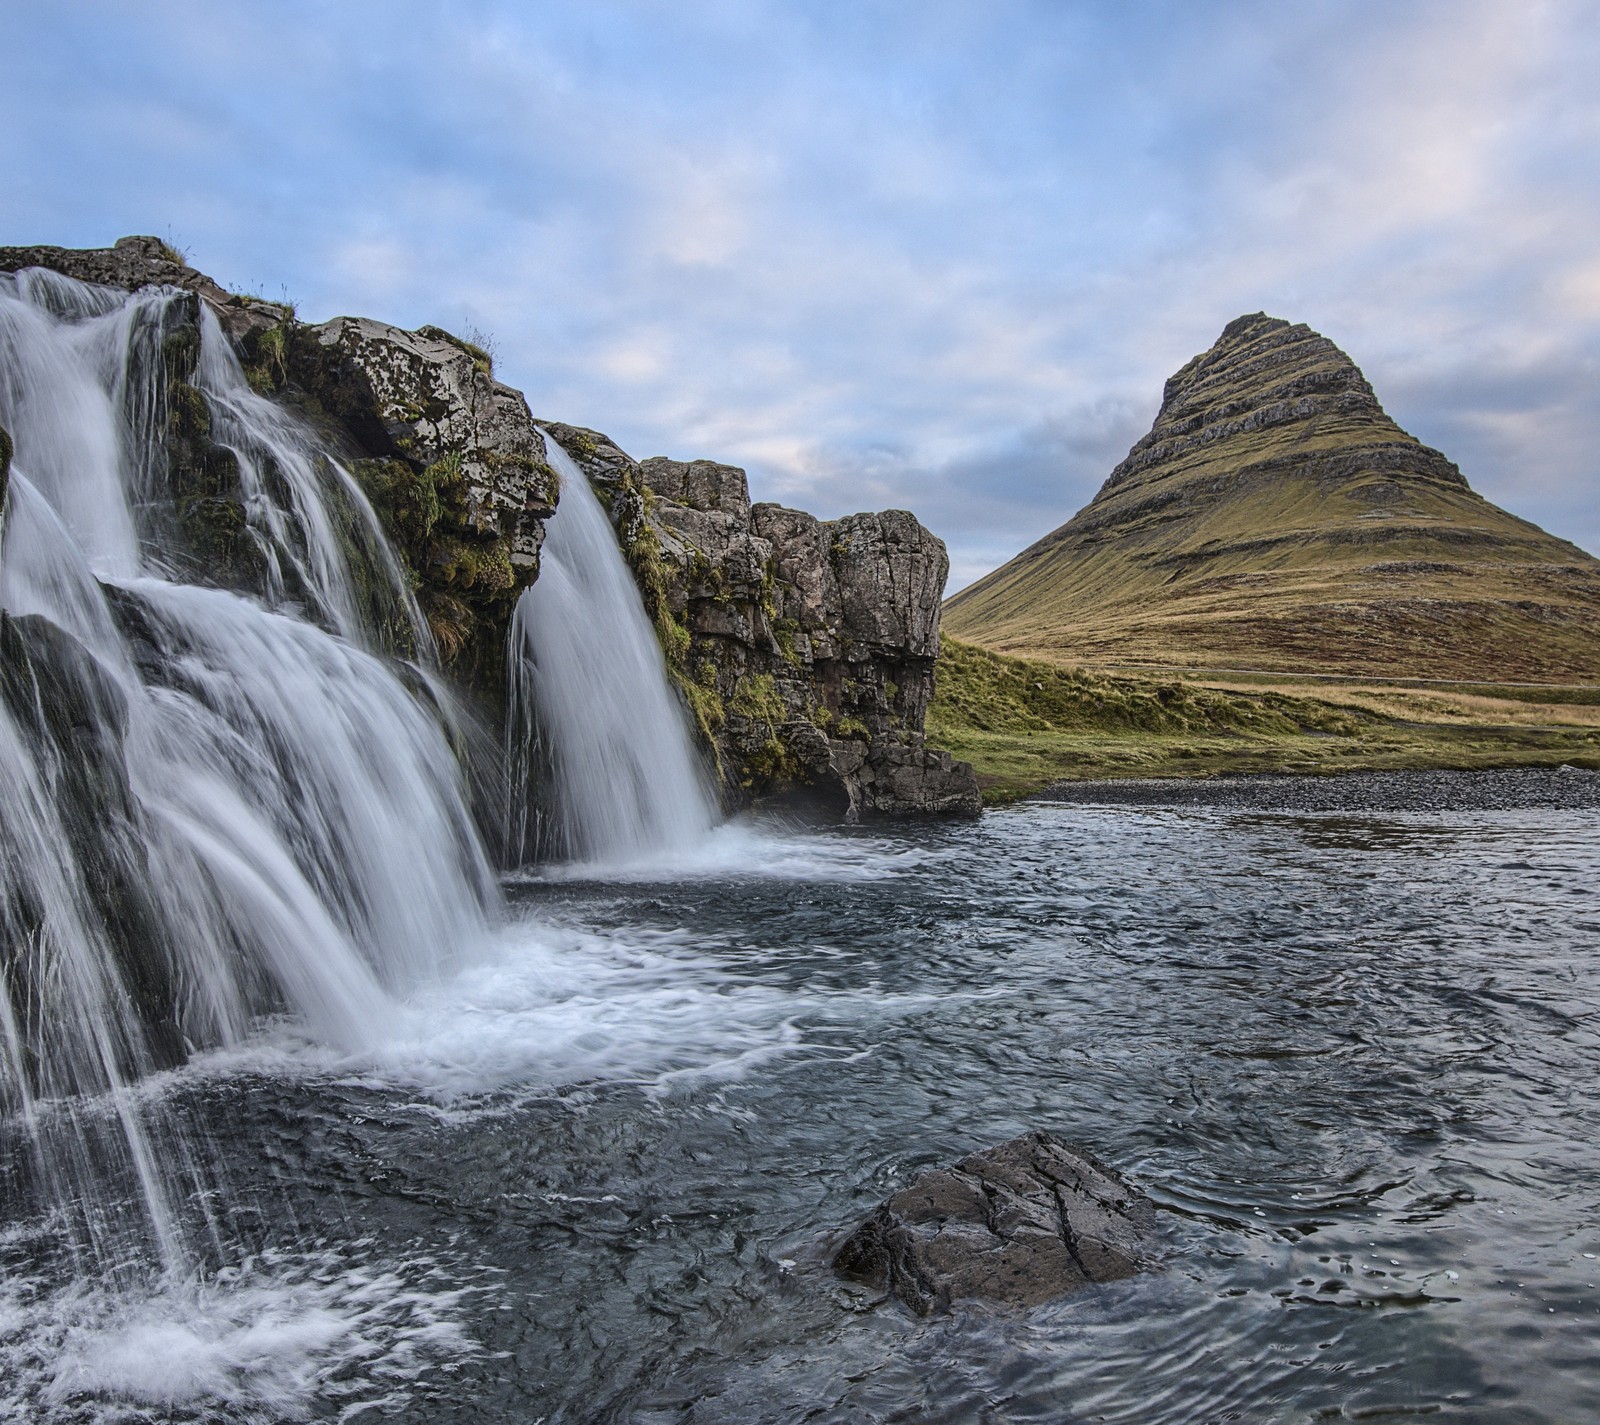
(1276, 518)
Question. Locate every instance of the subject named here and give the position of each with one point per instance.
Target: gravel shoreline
(1512, 789)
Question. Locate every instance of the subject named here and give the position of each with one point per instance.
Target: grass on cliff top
(1024, 724)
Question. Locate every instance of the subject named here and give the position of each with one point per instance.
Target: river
(1350, 1051)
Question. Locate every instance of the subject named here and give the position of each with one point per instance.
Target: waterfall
(218, 805)
(590, 690)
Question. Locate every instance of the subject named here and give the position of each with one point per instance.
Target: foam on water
(556, 1006)
(271, 1339)
(749, 848)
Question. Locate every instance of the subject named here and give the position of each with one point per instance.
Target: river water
(1349, 1050)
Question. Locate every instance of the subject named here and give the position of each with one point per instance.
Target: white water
(293, 829)
(590, 686)
(313, 891)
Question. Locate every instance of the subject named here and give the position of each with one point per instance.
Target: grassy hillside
(1275, 518)
(1024, 724)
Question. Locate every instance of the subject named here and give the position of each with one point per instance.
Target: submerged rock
(1020, 1224)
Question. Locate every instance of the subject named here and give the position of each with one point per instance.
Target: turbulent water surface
(1350, 1052)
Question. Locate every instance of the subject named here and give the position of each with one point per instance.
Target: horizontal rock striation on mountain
(1275, 518)
(1019, 1224)
(805, 648)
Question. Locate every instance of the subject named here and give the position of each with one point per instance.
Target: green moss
(464, 579)
(480, 357)
(767, 762)
(704, 702)
(188, 415)
(265, 357)
(213, 527)
(785, 632)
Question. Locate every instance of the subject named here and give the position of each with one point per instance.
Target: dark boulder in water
(1019, 1224)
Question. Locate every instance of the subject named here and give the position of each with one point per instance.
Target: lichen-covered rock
(805, 648)
(454, 465)
(1018, 1224)
(427, 397)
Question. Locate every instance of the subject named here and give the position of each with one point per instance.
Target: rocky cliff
(1276, 518)
(805, 649)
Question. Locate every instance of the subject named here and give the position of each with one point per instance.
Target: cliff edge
(804, 649)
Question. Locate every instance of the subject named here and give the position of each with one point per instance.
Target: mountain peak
(1264, 385)
(1275, 517)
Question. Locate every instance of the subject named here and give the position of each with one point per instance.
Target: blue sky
(939, 256)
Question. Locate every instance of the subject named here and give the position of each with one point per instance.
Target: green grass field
(1025, 724)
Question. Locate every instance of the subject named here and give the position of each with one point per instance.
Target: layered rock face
(1276, 518)
(806, 648)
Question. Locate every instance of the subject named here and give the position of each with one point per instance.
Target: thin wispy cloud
(937, 256)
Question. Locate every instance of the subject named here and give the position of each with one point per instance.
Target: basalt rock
(1019, 1224)
(806, 649)
(454, 465)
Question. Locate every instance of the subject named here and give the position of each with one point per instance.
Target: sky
(926, 255)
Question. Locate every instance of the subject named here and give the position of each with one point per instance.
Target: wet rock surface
(1019, 1224)
(806, 648)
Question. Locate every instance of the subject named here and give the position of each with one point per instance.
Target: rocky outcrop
(135, 262)
(1019, 1224)
(1275, 518)
(805, 648)
(452, 462)
(449, 458)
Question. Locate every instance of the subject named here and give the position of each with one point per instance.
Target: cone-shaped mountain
(1276, 518)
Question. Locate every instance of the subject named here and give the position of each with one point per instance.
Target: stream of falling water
(590, 689)
(218, 805)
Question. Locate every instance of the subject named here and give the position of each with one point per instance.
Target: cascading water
(590, 691)
(216, 806)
